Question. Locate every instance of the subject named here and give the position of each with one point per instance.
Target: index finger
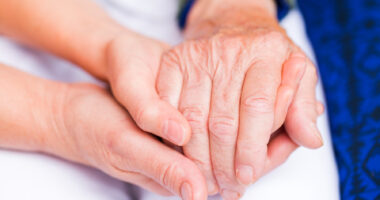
(256, 119)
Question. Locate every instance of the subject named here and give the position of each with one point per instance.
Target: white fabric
(308, 174)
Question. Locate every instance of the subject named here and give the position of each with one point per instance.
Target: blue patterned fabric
(184, 12)
(345, 35)
(282, 10)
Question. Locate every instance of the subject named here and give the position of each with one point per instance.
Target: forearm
(29, 111)
(77, 30)
(207, 16)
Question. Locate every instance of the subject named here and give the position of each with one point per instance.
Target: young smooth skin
(264, 83)
(66, 120)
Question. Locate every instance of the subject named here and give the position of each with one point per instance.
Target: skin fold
(237, 94)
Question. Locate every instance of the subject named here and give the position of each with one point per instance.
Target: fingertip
(250, 164)
(176, 132)
(174, 127)
(173, 131)
(303, 130)
(185, 179)
(194, 191)
(197, 185)
(212, 188)
(230, 195)
(320, 108)
(186, 191)
(318, 137)
(245, 174)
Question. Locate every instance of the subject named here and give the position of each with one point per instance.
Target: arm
(207, 16)
(77, 30)
(27, 110)
(66, 120)
(80, 31)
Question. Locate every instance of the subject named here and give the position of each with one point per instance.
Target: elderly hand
(235, 88)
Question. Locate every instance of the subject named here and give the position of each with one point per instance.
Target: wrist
(207, 17)
(58, 138)
(90, 51)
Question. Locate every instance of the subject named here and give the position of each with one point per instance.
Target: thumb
(165, 166)
(133, 85)
(301, 120)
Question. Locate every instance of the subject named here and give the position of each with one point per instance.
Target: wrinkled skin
(261, 77)
(235, 88)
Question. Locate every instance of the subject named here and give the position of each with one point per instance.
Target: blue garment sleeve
(282, 9)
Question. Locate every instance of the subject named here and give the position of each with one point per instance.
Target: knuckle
(253, 147)
(113, 152)
(287, 90)
(170, 173)
(307, 103)
(275, 36)
(169, 59)
(141, 115)
(164, 96)
(195, 79)
(196, 116)
(303, 106)
(257, 104)
(202, 163)
(224, 177)
(275, 39)
(223, 129)
(114, 143)
(273, 43)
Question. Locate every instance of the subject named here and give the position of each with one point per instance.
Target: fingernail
(211, 187)
(186, 192)
(173, 132)
(320, 108)
(244, 174)
(229, 195)
(317, 133)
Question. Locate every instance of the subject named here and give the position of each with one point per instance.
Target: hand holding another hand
(95, 130)
(233, 89)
